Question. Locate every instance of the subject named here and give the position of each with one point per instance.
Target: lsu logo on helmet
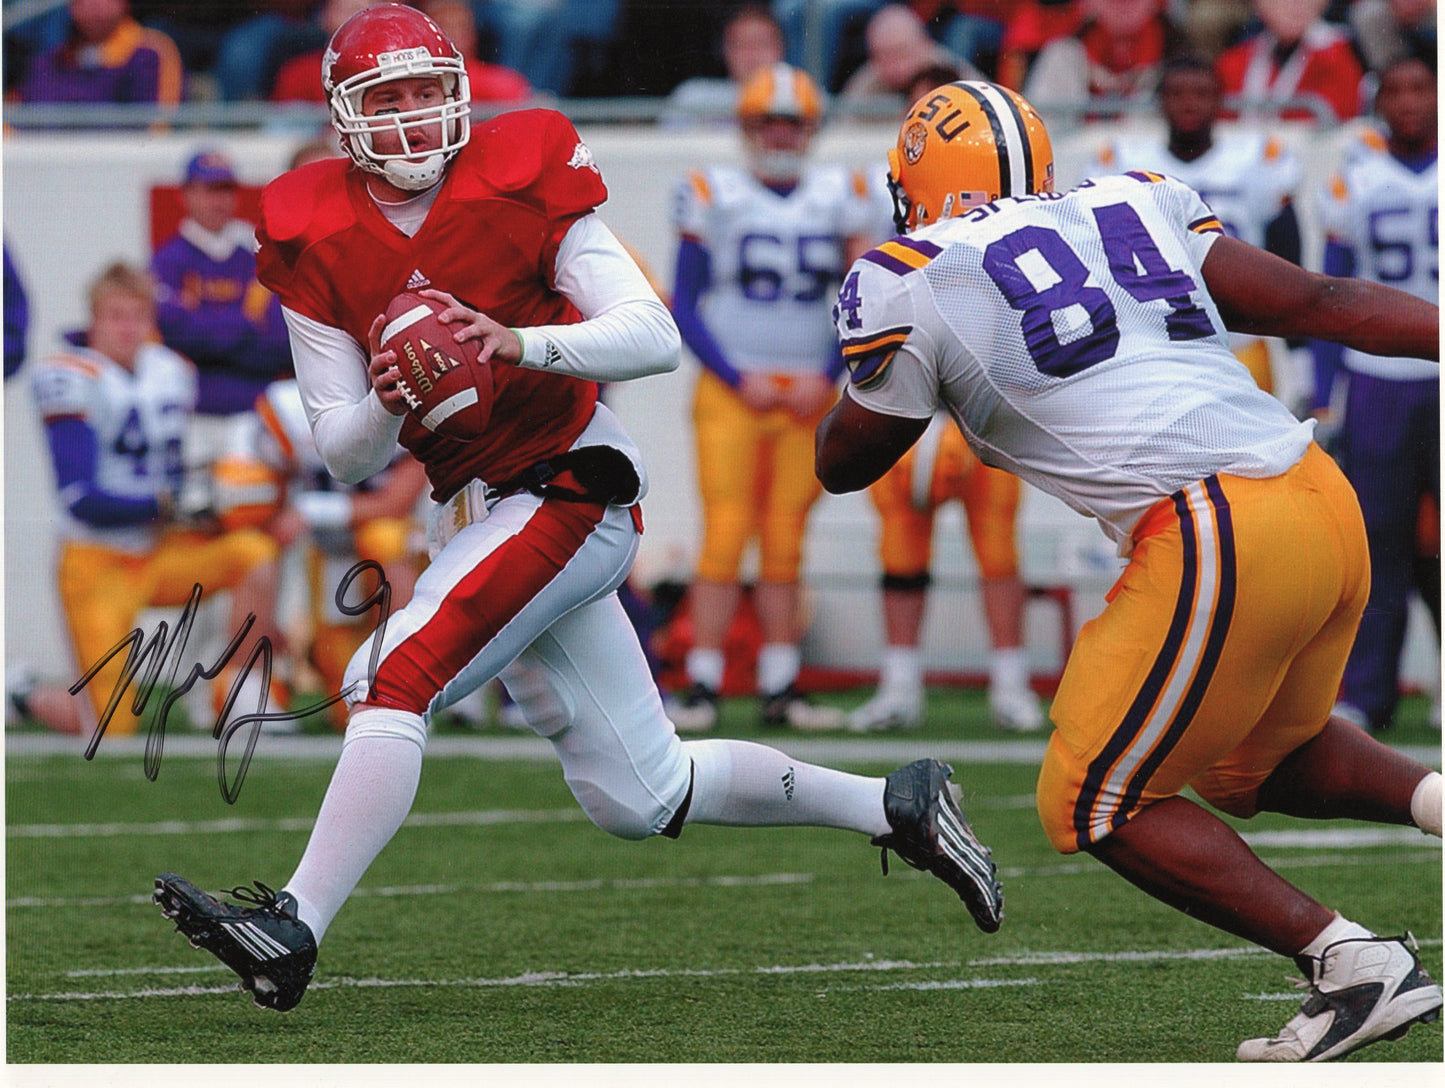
(965, 144)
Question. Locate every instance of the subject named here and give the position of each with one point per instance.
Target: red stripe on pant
(483, 602)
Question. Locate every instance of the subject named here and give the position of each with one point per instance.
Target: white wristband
(324, 509)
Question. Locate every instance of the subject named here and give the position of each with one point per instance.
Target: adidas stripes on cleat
(1363, 989)
(930, 833)
(272, 950)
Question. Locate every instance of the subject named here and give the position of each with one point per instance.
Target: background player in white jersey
(1248, 178)
(1080, 341)
(116, 405)
(1381, 213)
(762, 251)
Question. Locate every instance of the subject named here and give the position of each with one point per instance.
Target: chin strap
(414, 176)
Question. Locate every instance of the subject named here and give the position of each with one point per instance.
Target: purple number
(849, 302)
(1149, 278)
(1038, 306)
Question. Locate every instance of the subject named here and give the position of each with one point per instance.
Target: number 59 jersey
(1073, 339)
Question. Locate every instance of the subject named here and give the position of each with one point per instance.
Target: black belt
(602, 474)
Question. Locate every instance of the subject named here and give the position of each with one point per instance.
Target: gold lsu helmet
(780, 90)
(962, 145)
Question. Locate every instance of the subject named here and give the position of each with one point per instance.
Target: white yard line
(844, 749)
(577, 978)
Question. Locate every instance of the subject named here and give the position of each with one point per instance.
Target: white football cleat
(1364, 989)
(890, 708)
(1016, 709)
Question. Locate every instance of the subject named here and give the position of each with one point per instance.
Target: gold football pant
(755, 474)
(906, 508)
(1220, 650)
(103, 591)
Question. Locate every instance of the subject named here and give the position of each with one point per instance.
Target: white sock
(742, 784)
(778, 664)
(371, 792)
(1008, 669)
(1339, 929)
(901, 669)
(1425, 804)
(705, 667)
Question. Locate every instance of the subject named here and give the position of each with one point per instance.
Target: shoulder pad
(299, 200)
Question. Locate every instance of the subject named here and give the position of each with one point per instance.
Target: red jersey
(490, 239)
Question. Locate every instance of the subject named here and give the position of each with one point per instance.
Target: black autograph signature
(147, 658)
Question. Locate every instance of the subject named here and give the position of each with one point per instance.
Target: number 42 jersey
(1072, 338)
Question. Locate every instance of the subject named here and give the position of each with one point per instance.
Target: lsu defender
(1080, 341)
(762, 249)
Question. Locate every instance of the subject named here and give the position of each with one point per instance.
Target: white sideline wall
(74, 203)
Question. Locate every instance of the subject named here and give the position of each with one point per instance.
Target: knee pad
(634, 808)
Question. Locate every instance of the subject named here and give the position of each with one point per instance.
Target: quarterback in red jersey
(535, 522)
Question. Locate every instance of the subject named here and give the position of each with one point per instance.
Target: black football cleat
(272, 950)
(930, 833)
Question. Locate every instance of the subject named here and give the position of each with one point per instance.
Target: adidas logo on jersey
(417, 281)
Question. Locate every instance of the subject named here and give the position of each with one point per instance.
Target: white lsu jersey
(139, 418)
(775, 261)
(1072, 338)
(1246, 178)
(1389, 215)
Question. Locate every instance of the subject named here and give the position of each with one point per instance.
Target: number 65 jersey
(1072, 338)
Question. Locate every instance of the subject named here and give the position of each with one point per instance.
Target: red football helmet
(379, 44)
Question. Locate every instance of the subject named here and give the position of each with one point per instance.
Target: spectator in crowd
(940, 468)
(489, 82)
(1381, 212)
(1247, 177)
(752, 39)
(211, 309)
(17, 316)
(299, 79)
(197, 29)
(898, 47)
(1387, 30)
(971, 29)
(821, 32)
(761, 253)
(545, 39)
(250, 54)
(115, 408)
(1296, 55)
(106, 57)
(1116, 54)
(1033, 26)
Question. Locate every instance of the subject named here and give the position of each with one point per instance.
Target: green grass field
(501, 927)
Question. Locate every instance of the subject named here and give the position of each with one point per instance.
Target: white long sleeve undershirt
(626, 332)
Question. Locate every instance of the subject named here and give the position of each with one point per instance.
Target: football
(445, 387)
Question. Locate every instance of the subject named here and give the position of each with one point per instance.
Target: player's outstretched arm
(1257, 292)
(854, 445)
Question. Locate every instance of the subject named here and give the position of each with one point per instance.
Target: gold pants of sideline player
(103, 591)
(755, 473)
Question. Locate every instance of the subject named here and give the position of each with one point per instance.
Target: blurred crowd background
(861, 52)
